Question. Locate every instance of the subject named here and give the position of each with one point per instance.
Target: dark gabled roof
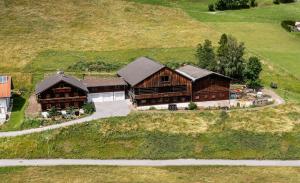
(54, 79)
(139, 70)
(195, 73)
(96, 82)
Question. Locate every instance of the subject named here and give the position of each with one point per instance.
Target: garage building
(105, 89)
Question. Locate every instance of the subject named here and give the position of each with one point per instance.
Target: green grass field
(269, 134)
(148, 174)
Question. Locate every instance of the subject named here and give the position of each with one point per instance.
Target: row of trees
(228, 59)
(232, 4)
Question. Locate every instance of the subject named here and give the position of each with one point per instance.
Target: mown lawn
(149, 174)
(266, 134)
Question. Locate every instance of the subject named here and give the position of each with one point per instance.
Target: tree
(230, 57)
(206, 56)
(252, 72)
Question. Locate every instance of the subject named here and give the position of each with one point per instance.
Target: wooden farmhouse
(144, 81)
(61, 91)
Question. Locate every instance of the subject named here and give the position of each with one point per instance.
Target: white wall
(3, 104)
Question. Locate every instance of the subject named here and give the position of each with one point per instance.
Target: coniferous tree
(206, 56)
(252, 72)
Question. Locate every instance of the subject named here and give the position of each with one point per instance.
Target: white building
(6, 87)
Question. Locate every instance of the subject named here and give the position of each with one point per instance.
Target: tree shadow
(19, 102)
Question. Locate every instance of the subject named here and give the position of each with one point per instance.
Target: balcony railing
(158, 95)
(64, 99)
(62, 90)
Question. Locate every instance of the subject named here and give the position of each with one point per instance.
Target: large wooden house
(150, 83)
(61, 91)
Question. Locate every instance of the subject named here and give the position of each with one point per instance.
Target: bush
(88, 108)
(192, 106)
(273, 85)
(276, 2)
(53, 112)
(152, 108)
(287, 1)
(253, 3)
(211, 7)
(231, 4)
(288, 25)
(97, 66)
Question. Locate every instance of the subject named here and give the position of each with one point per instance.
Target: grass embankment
(270, 134)
(148, 174)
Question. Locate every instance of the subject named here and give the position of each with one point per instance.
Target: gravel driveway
(103, 110)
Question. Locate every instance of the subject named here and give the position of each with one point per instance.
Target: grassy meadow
(148, 174)
(272, 133)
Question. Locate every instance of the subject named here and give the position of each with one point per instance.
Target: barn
(151, 83)
(206, 85)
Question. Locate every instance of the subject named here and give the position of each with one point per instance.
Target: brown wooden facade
(100, 89)
(61, 96)
(210, 88)
(164, 86)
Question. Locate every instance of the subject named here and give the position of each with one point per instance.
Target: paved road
(151, 163)
(103, 110)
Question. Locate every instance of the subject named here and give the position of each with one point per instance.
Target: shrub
(211, 7)
(253, 3)
(192, 106)
(97, 66)
(88, 108)
(288, 25)
(53, 112)
(231, 4)
(287, 1)
(152, 108)
(273, 85)
(276, 2)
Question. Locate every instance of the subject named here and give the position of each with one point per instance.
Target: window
(67, 95)
(164, 78)
(3, 79)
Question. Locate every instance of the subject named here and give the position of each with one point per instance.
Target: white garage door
(106, 97)
(119, 96)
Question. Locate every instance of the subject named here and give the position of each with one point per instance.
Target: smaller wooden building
(61, 91)
(207, 85)
(105, 89)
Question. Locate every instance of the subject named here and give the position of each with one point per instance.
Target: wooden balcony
(159, 95)
(62, 90)
(64, 99)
